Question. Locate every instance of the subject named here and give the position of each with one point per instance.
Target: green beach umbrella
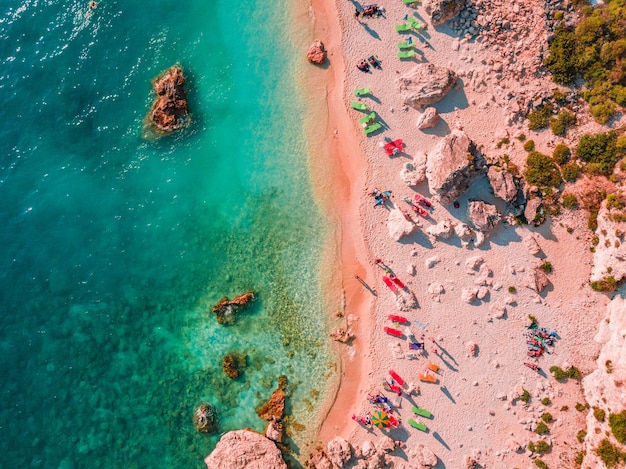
(380, 419)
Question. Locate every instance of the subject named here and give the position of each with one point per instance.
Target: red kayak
(532, 366)
(397, 281)
(390, 284)
(395, 376)
(396, 318)
(392, 331)
(394, 388)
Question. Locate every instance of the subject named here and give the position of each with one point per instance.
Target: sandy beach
(477, 345)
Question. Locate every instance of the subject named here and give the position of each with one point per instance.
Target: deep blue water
(115, 246)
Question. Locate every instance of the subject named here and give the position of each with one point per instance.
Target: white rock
(468, 294)
(432, 261)
(398, 226)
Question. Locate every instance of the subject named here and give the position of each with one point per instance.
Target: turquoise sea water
(114, 247)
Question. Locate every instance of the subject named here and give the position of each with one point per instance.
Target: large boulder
(398, 226)
(507, 187)
(453, 165)
(445, 10)
(426, 84)
(316, 53)
(245, 449)
(319, 460)
(535, 212)
(205, 418)
(536, 279)
(339, 451)
(169, 111)
(414, 172)
(422, 457)
(484, 216)
(442, 230)
(428, 119)
(609, 258)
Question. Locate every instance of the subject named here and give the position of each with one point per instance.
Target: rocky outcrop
(609, 258)
(445, 10)
(428, 119)
(422, 457)
(507, 187)
(245, 449)
(226, 310)
(536, 280)
(339, 451)
(316, 53)
(341, 334)
(535, 212)
(484, 216)
(414, 172)
(170, 111)
(274, 410)
(205, 418)
(398, 226)
(426, 84)
(453, 165)
(442, 230)
(604, 387)
(319, 460)
(234, 364)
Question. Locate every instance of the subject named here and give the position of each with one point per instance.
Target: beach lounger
(392, 331)
(405, 45)
(422, 412)
(419, 426)
(362, 91)
(402, 28)
(433, 366)
(397, 377)
(358, 106)
(372, 128)
(409, 2)
(414, 24)
(427, 377)
(369, 119)
(396, 318)
(406, 54)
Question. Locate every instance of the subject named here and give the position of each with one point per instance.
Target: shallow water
(116, 246)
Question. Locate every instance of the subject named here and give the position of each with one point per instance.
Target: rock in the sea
(234, 364)
(274, 431)
(507, 187)
(442, 230)
(170, 111)
(205, 418)
(484, 216)
(245, 449)
(453, 165)
(422, 456)
(445, 10)
(426, 84)
(226, 310)
(428, 119)
(341, 334)
(536, 279)
(339, 451)
(273, 409)
(319, 460)
(316, 53)
(414, 172)
(398, 226)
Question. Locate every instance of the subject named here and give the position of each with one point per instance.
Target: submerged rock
(245, 449)
(341, 334)
(453, 165)
(275, 407)
(426, 84)
(316, 53)
(170, 111)
(234, 364)
(205, 418)
(226, 310)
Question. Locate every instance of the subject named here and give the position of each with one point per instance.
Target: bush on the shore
(540, 464)
(542, 428)
(547, 268)
(580, 436)
(595, 49)
(571, 171)
(617, 422)
(525, 397)
(563, 121)
(542, 171)
(610, 454)
(529, 145)
(606, 284)
(600, 151)
(599, 414)
(561, 154)
(570, 201)
(540, 118)
(561, 375)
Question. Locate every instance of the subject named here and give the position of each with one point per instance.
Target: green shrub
(615, 201)
(546, 401)
(570, 201)
(610, 455)
(579, 457)
(563, 121)
(547, 268)
(617, 422)
(561, 375)
(558, 15)
(529, 145)
(564, 408)
(600, 150)
(571, 171)
(580, 407)
(521, 137)
(504, 141)
(540, 118)
(542, 428)
(580, 436)
(607, 284)
(547, 417)
(574, 373)
(599, 414)
(541, 170)
(542, 446)
(540, 464)
(561, 62)
(561, 154)
(512, 290)
(525, 397)
(602, 112)
(531, 447)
